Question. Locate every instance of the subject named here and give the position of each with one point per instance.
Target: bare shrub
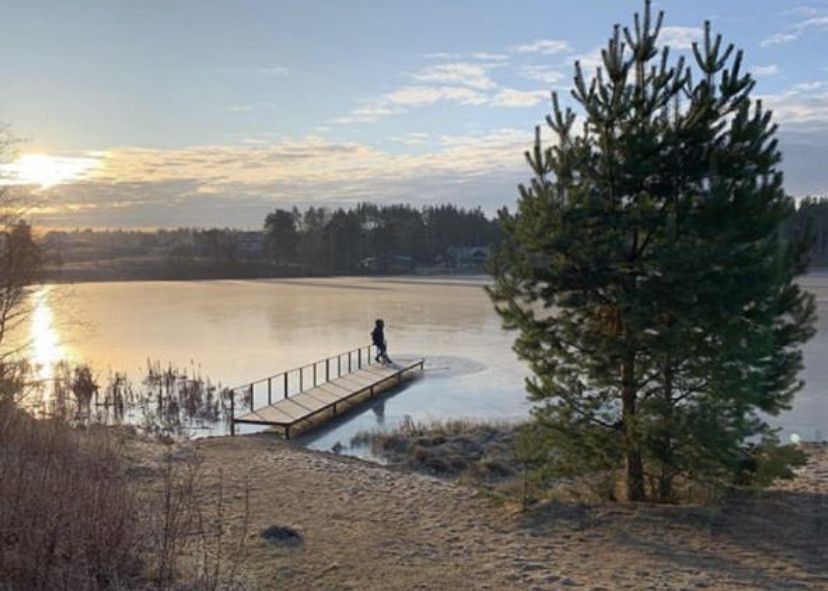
(71, 518)
(67, 516)
(193, 538)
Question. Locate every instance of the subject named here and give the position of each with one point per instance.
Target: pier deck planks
(300, 407)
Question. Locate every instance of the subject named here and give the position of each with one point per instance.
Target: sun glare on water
(47, 350)
(46, 171)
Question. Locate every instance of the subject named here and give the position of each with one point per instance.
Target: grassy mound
(481, 452)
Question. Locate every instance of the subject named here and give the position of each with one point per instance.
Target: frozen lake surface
(237, 331)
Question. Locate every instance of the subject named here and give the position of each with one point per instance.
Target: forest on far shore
(367, 239)
(811, 216)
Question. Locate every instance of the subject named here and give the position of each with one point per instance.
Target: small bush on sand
(480, 452)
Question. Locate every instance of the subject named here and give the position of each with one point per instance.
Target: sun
(47, 171)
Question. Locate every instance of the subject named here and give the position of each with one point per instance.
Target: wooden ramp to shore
(318, 391)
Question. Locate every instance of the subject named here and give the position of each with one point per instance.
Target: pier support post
(269, 391)
(251, 398)
(286, 384)
(232, 413)
(328, 369)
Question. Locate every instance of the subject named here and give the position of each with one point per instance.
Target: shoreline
(461, 274)
(56, 279)
(424, 533)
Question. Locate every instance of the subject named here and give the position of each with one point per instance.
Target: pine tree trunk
(665, 480)
(634, 466)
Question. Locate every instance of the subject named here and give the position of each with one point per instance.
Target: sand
(365, 526)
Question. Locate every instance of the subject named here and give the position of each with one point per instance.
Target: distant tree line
(373, 237)
(365, 239)
(810, 220)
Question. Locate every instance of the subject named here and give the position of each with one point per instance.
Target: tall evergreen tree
(645, 268)
(282, 234)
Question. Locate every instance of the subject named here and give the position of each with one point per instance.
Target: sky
(167, 113)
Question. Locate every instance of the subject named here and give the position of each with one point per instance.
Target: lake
(237, 331)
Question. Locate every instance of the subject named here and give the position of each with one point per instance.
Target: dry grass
(67, 517)
(71, 518)
(167, 402)
(473, 451)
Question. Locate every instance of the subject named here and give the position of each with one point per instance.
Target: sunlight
(47, 350)
(46, 171)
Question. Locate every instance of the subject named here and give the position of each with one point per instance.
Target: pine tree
(645, 268)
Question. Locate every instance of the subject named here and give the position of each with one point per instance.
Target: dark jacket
(378, 337)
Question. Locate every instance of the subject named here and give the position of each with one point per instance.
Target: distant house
(249, 245)
(467, 257)
(387, 264)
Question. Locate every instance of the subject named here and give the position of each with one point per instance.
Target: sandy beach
(366, 526)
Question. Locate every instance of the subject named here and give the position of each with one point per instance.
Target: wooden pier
(318, 391)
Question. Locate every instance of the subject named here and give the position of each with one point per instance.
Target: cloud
(416, 138)
(802, 113)
(511, 97)
(367, 114)
(251, 107)
(274, 71)
(462, 79)
(779, 39)
(806, 11)
(803, 106)
(418, 96)
(402, 99)
(589, 60)
(769, 70)
(817, 20)
(428, 95)
(474, 75)
(442, 55)
(240, 108)
(543, 47)
(237, 184)
(485, 55)
(543, 74)
(680, 37)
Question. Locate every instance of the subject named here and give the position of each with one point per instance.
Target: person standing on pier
(378, 337)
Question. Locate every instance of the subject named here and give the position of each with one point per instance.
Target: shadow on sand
(770, 540)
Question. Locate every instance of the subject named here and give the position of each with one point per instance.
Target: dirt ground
(365, 526)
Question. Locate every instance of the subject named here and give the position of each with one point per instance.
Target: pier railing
(295, 381)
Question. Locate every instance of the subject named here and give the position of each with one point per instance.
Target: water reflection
(378, 408)
(46, 346)
(236, 331)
